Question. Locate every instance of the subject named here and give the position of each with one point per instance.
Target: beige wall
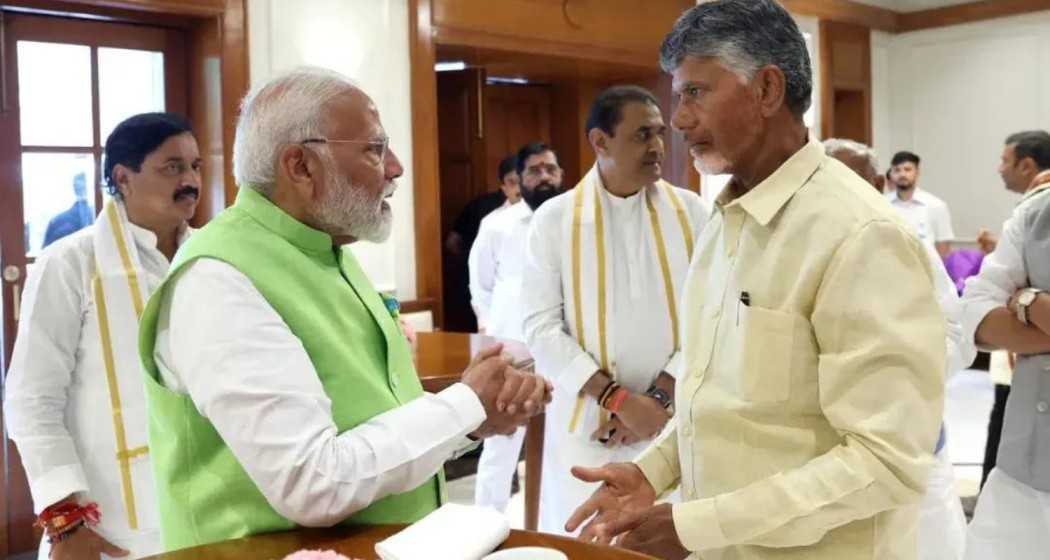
(368, 41)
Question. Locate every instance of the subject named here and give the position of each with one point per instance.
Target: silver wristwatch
(1024, 301)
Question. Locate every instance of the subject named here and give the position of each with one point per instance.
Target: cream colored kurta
(638, 332)
(806, 419)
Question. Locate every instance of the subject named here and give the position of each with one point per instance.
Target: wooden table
(441, 358)
(359, 542)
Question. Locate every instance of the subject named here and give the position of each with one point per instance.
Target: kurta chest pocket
(766, 343)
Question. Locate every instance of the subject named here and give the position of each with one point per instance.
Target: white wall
(712, 185)
(368, 41)
(952, 95)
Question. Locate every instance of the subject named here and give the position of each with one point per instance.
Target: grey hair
(832, 145)
(745, 35)
(285, 110)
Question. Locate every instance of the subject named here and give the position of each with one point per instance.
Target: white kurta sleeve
(961, 350)
(481, 266)
(558, 356)
(41, 373)
(251, 377)
(1002, 273)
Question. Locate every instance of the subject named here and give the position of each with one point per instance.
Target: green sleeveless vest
(357, 349)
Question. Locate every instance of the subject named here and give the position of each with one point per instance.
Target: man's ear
(299, 168)
(772, 89)
(599, 140)
(121, 177)
(1027, 166)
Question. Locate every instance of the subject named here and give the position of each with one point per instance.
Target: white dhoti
(942, 524)
(1011, 522)
(496, 466)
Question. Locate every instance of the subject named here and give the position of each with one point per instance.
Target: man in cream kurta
(812, 387)
(603, 274)
(74, 399)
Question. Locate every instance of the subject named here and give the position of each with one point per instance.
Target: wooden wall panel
(426, 191)
(967, 13)
(590, 29)
(844, 11)
(205, 78)
(235, 82)
(845, 55)
(514, 115)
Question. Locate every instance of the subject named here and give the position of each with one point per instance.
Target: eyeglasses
(376, 147)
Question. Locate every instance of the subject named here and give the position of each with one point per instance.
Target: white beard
(711, 164)
(349, 210)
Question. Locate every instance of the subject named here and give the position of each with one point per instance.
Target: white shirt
(1002, 273)
(926, 213)
(49, 415)
(495, 264)
(220, 342)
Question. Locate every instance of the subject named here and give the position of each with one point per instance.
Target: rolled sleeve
(1003, 272)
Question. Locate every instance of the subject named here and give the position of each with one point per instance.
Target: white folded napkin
(452, 532)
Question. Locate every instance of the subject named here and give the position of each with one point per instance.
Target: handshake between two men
(510, 396)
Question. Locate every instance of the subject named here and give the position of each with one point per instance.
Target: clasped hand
(510, 396)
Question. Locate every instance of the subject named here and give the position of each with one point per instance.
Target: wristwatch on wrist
(661, 396)
(1024, 301)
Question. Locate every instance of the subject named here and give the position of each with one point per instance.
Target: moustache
(187, 191)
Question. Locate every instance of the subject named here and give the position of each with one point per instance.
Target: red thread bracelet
(617, 399)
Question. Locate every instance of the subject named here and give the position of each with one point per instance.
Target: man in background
(75, 218)
(926, 213)
(496, 264)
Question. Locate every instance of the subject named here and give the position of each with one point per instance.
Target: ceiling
(913, 5)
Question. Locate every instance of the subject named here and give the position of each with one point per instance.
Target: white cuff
(974, 312)
(463, 399)
(579, 371)
(57, 484)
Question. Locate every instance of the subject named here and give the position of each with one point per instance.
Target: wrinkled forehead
(352, 115)
(700, 70)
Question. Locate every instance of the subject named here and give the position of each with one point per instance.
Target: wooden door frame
(228, 20)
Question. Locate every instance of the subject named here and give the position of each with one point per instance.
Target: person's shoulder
(838, 200)
(74, 253)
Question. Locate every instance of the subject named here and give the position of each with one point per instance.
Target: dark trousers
(995, 429)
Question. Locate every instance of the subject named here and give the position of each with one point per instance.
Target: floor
(967, 404)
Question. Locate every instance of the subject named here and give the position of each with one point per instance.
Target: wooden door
(478, 125)
(66, 84)
(515, 116)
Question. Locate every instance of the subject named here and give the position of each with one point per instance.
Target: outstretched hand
(624, 491)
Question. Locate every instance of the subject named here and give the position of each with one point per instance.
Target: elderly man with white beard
(281, 391)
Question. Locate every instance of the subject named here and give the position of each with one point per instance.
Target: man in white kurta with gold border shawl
(602, 280)
(74, 403)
